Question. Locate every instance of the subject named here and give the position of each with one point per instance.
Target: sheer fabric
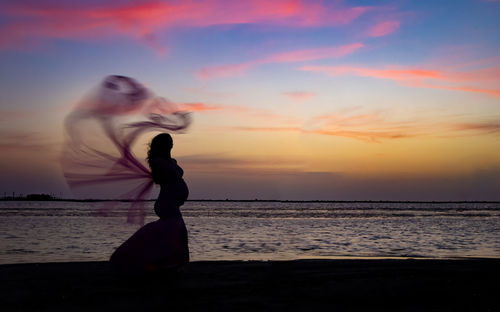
(101, 131)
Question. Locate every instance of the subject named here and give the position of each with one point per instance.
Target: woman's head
(160, 146)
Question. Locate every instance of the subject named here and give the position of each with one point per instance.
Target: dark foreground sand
(305, 285)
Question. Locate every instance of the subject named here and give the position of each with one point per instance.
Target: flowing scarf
(101, 131)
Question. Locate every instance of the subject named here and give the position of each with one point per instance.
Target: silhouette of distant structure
(29, 197)
(39, 197)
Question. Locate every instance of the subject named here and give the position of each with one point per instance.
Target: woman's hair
(160, 146)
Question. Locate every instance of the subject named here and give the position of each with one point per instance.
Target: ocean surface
(71, 231)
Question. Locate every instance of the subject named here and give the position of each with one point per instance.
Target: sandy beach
(307, 285)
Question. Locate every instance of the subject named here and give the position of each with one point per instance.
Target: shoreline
(466, 284)
(91, 200)
(284, 259)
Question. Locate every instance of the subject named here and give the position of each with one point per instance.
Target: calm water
(70, 231)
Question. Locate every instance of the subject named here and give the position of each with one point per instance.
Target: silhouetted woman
(162, 244)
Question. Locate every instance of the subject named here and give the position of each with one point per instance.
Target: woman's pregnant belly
(172, 196)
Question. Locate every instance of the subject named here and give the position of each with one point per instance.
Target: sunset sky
(340, 100)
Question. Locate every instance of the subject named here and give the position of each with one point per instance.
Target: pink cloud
(300, 95)
(204, 107)
(223, 70)
(312, 54)
(484, 80)
(383, 28)
(142, 20)
(262, 114)
(167, 107)
(284, 57)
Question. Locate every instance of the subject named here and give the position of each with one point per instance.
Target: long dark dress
(162, 243)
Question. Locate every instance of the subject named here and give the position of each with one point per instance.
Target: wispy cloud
(224, 70)
(374, 127)
(486, 127)
(164, 106)
(15, 140)
(369, 127)
(283, 57)
(238, 110)
(312, 54)
(383, 28)
(142, 20)
(492, 92)
(484, 80)
(227, 164)
(367, 136)
(300, 95)
(202, 107)
(6, 115)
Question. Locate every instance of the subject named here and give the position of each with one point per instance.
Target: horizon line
(256, 200)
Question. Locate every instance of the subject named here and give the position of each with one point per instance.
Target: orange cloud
(373, 136)
(300, 95)
(284, 57)
(371, 127)
(376, 126)
(141, 20)
(269, 129)
(394, 74)
(495, 93)
(366, 127)
(369, 136)
(479, 79)
(480, 127)
(200, 107)
(383, 28)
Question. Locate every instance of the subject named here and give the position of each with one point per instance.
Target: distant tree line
(29, 197)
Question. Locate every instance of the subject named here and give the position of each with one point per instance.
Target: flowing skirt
(162, 244)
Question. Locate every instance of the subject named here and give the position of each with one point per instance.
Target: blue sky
(353, 99)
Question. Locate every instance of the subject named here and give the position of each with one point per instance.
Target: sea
(62, 231)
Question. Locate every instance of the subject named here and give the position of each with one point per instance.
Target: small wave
(17, 251)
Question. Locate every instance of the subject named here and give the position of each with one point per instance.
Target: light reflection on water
(70, 231)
